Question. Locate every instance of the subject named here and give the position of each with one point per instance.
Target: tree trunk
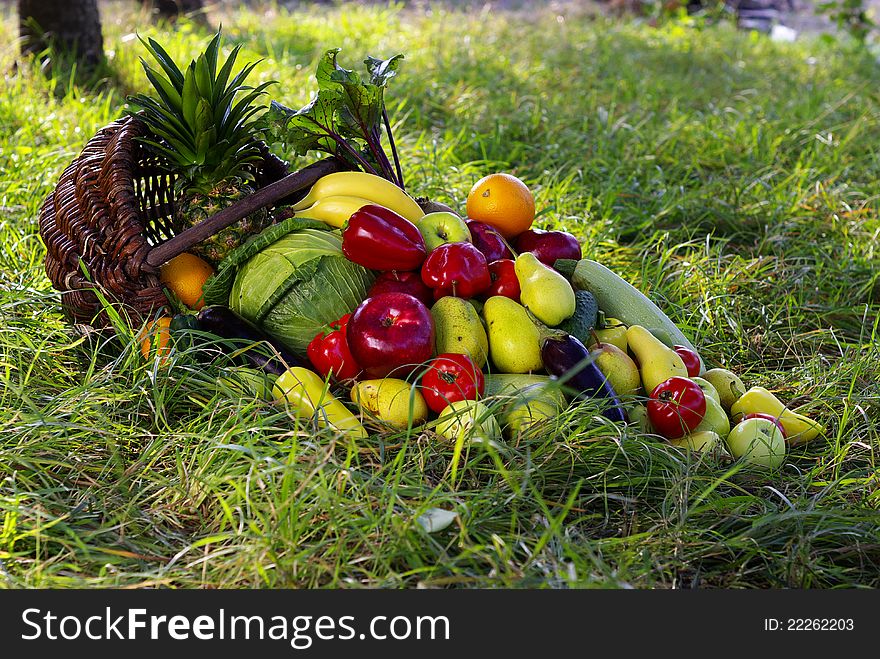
(171, 9)
(72, 26)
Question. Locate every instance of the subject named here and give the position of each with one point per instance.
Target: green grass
(730, 178)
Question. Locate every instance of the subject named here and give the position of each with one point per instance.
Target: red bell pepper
(329, 352)
(457, 269)
(380, 239)
(504, 280)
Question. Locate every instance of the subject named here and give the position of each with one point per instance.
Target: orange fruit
(185, 275)
(155, 338)
(503, 201)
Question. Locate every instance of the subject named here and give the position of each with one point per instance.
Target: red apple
(457, 269)
(402, 282)
(690, 358)
(548, 246)
(391, 332)
(487, 239)
(504, 280)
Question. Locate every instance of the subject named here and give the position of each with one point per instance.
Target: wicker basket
(107, 225)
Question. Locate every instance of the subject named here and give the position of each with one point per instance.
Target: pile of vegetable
(372, 312)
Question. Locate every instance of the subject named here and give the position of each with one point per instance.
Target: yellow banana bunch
(374, 188)
(334, 210)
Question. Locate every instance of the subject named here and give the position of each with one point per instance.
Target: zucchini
(583, 321)
(620, 299)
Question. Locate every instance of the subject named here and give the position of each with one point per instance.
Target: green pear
(614, 332)
(618, 367)
(708, 389)
(458, 329)
(514, 339)
(396, 402)
(543, 291)
(468, 420)
(728, 385)
(657, 361)
(715, 419)
(524, 400)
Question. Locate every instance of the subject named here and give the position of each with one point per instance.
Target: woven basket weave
(108, 223)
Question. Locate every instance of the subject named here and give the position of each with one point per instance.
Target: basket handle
(265, 196)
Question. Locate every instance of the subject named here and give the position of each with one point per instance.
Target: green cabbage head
(293, 287)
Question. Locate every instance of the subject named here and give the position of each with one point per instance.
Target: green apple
(442, 227)
(702, 441)
(757, 441)
(468, 419)
(708, 389)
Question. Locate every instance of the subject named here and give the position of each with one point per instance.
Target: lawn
(732, 179)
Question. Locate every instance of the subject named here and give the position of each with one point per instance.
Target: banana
(368, 186)
(334, 210)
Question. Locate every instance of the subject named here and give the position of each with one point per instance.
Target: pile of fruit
(369, 309)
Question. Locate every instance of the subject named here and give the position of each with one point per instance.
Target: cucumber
(565, 267)
(620, 299)
(583, 321)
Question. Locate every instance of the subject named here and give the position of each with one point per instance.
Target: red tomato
(451, 377)
(690, 358)
(769, 417)
(329, 352)
(676, 407)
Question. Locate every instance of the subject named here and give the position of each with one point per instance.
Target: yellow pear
(525, 400)
(657, 361)
(543, 291)
(514, 339)
(618, 367)
(709, 389)
(715, 419)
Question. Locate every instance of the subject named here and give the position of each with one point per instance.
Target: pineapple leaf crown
(202, 120)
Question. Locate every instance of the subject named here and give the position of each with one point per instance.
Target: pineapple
(202, 123)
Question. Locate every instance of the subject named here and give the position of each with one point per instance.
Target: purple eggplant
(566, 357)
